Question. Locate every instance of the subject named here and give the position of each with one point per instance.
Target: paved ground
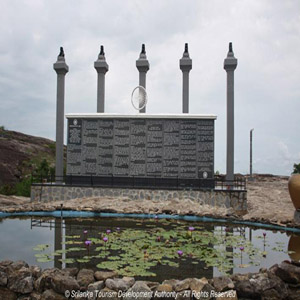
(268, 201)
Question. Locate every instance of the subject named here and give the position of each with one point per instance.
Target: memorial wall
(173, 146)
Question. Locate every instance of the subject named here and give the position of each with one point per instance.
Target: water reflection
(294, 247)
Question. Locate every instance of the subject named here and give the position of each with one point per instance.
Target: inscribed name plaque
(141, 146)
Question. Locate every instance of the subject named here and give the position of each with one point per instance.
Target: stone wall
(18, 280)
(217, 198)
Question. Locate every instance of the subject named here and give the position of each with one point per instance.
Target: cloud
(265, 36)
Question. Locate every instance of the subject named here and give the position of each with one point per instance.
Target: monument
(147, 156)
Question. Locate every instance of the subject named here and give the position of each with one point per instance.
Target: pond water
(149, 249)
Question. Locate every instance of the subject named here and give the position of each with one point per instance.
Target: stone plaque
(141, 147)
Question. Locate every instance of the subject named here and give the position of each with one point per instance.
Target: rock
(44, 281)
(85, 277)
(36, 271)
(3, 279)
(245, 289)
(171, 282)
(222, 283)
(206, 291)
(152, 285)
(17, 265)
(164, 288)
(182, 285)
(71, 271)
(139, 291)
(4, 264)
(103, 275)
(289, 273)
(52, 295)
(129, 280)
(60, 283)
(6, 294)
(118, 284)
(35, 296)
(20, 280)
(108, 294)
(24, 297)
(196, 285)
(95, 288)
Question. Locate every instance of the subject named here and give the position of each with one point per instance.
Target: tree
(296, 169)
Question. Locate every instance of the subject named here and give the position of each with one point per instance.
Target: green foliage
(23, 188)
(2, 128)
(7, 189)
(296, 169)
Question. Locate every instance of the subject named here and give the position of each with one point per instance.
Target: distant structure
(230, 64)
(101, 67)
(61, 69)
(185, 64)
(143, 66)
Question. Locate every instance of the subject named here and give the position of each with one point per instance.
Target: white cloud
(265, 36)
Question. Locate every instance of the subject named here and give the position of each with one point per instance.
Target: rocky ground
(18, 280)
(268, 201)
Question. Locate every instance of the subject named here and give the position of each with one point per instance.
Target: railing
(217, 183)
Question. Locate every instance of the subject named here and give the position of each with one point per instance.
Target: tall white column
(143, 66)
(61, 69)
(101, 67)
(185, 65)
(230, 64)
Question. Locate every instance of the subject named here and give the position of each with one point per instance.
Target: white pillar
(185, 65)
(101, 67)
(143, 66)
(230, 64)
(61, 69)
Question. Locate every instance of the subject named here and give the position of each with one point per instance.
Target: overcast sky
(266, 42)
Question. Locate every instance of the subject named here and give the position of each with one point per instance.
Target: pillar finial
(230, 47)
(61, 55)
(186, 50)
(143, 49)
(102, 50)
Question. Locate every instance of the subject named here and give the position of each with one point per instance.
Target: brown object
(294, 245)
(294, 189)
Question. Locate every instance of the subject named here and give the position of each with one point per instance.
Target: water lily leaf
(41, 247)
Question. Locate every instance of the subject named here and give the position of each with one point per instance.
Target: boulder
(20, 280)
(103, 275)
(288, 272)
(36, 271)
(3, 279)
(71, 271)
(17, 265)
(35, 296)
(60, 283)
(52, 295)
(182, 285)
(171, 282)
(118, 284)
(196, 285)
(44, 281)
(140, 291)
(4, 264)
(6, 294)
(222, 283)
(164, 288)
(85, 277)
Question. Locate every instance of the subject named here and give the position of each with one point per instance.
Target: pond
(149, 249)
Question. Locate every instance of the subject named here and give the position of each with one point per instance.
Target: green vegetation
(137, 252)
(296, 169)
(22, 188)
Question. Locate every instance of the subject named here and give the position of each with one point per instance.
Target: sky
(266, 41)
